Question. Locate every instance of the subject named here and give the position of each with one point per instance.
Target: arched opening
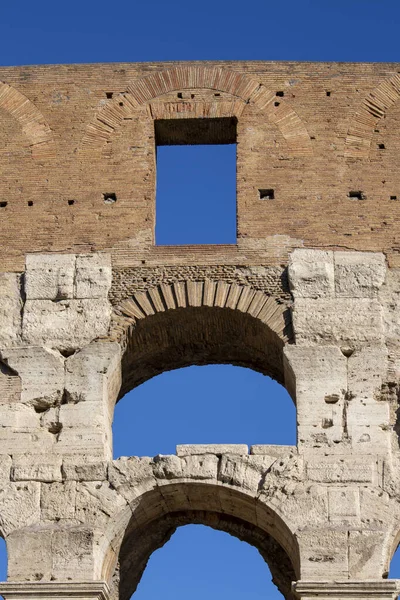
(394, 571)
(212, 404)
(159, 512)
(3, 560)
(199, 562)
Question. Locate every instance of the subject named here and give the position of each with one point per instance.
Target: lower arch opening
(200, 562)
(158, 513)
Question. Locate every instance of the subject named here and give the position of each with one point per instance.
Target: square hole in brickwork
(196, 181)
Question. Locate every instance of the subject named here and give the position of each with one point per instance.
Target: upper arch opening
(200, 323)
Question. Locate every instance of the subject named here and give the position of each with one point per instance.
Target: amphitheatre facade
(91, 307)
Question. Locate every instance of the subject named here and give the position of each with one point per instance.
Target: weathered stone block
(50, 276)
(192, 449)
(57, 501)
(42, 374)
(10, 309)
(359, 274)
(19, 506)
(93, 275)
(83, 468)
(311, 273)
(337, 321)
(344, 504)
(45, 467)
(66, 324)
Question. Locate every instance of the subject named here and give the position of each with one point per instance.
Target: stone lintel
(193, 449)
(375, 589)
(68, 590)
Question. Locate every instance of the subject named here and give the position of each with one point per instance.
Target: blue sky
(216, 403)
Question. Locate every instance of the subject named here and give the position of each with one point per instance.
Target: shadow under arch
(171, 327)
(159, 512)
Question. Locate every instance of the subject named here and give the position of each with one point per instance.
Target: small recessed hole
(217, 95)
(71, 202)
(3, 204)
(357, 195)
(121, 103)
(328, 94)
(109, 198)
(267, 194)
(381, 146)
(312, 137)
(276, 103)
(393, 197)
(109, 95)
(280, 94)
(179, 94)
(30, 202)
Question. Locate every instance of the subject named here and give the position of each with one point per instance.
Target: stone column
(85, 590)
(381, 589)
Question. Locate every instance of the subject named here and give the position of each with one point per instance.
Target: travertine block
(311, 273)
(93, 275)
(367, 368)
(190, 449)
(344, 504)
(337, 321)
(84, 415)
(65, 325)
(359, 274)
(42, 374)
(49, 276)
(342, 469)
(57, 501)
(19, 505)
(94, 374)
(45, 467)
(319, 376)
(272, 450)
(325, 553)
(10, 309)
(83, 468)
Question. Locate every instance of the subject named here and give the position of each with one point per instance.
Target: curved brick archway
(33, 123)
(372, 109)
(241, 88)
(200, 322)
(158, 512)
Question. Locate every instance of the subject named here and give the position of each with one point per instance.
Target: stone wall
(90, 308)
(323, 513)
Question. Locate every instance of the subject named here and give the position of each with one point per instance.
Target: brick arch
(159, 510)
(241, 87)
(200, 322)
(31, 120)
(372, 109)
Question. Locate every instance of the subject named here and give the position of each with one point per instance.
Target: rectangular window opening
(196, 181)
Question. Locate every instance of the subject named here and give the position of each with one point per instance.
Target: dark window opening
(30, 202)
(109, 95)
(196, 181)
(357, 195)
(71, 202)
(109, 198)
(381, 146)
(280, 94)
(328, 94)
(393, 197)
(3, 204)
(267, 194)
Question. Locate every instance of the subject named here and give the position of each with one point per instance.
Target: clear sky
(215, 403)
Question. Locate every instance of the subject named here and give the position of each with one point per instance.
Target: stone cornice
(379, 589)
(84, 590)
